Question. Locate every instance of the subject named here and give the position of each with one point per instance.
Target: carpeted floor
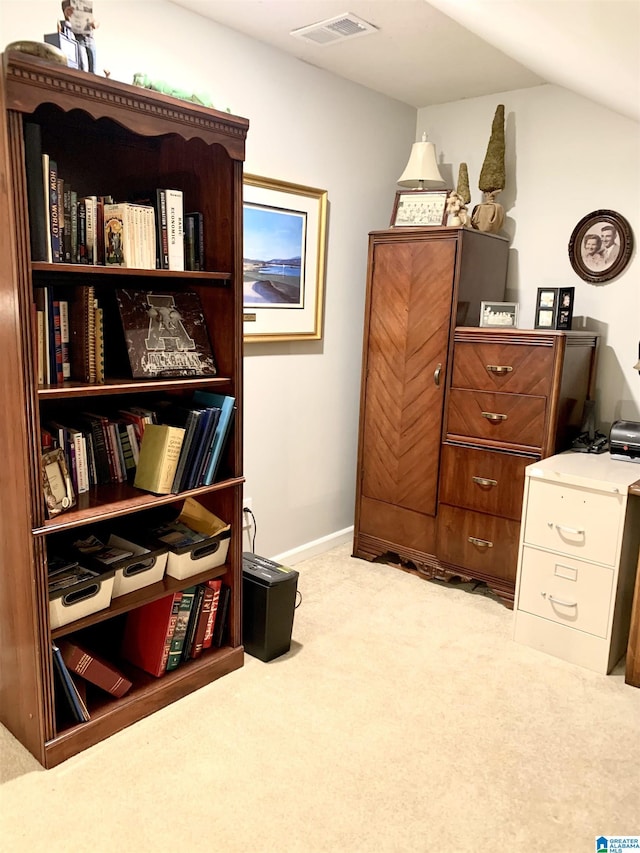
(404, 718)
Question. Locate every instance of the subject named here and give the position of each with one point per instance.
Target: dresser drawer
(574, 521)
(510, 368)
(483, 480)
(505, 418)
(481, 543)
(566, 591)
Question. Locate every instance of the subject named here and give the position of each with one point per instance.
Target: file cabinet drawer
(509, 368)
(573, 521)
(566, 591)
(482, 543)
(504, 418)
(483, 480)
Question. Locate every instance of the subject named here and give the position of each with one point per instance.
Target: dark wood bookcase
(108, 138)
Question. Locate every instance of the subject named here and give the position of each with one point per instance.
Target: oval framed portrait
(600, 246)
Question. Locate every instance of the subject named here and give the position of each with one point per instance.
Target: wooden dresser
(514, 396)
(450, 413)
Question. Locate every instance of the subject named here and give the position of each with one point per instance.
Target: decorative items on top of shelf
(74, 36)
(554, 307)
(499, 314)
(458, 200)
(600, 246)
(284, 257)
(489, 215)
(202, 98)
(422, 167)
(419, 208)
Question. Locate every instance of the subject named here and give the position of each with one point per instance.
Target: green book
(175, 652)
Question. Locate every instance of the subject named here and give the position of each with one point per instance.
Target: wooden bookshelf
(107, 138)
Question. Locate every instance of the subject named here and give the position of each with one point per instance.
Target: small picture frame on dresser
(554, 308)
(499, 315)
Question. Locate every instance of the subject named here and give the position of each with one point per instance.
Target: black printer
(624, 441)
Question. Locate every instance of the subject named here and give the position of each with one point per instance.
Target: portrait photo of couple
(600, 246)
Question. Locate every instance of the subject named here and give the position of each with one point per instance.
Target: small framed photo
(56, 482)
(554, 308)
(419, 208)
(600, 246)
(501, 315)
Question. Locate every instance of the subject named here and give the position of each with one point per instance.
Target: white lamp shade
(422, 168)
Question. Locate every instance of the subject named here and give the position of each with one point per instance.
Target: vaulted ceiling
(425, 53)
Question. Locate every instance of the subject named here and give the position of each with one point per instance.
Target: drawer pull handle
(500, 369)
(562, 529)
(494, 417)
(436, 374)
(560, 601)
(484, 481)
(481, 543)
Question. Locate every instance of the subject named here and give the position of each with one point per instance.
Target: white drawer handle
(561, 601)
(562, 529)
(500, 369)
(484, 481)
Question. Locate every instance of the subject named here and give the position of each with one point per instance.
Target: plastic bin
(268, 605)
(189, 552)
(80, 599)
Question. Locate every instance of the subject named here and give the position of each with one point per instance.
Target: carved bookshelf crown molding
(29, 77)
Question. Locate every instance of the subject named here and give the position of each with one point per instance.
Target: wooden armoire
(450, 414)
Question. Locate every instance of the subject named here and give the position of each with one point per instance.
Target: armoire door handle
(436, 374)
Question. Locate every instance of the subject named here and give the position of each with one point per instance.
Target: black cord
(298, 593)
(255, 528)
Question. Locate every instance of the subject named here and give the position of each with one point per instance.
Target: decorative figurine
(489, 215)
(459, 199)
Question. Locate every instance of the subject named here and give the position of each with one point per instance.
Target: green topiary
(463, 184)
(492, 174)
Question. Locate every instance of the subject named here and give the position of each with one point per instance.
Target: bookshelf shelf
(110, 138)
(129, 386)
(99, 270)
(106, 502)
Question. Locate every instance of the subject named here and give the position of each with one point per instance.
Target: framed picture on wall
(600, 246)
(554, 308)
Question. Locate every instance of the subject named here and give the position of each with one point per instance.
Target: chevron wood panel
(410, 309)
(531, 367)
(524, 423)
(498, 560)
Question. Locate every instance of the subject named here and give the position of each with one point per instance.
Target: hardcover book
(93, 668)
(182, 623)
(148, 633)
(165, 334)
(159, 455)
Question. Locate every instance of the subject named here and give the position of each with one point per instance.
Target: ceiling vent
(334, 29)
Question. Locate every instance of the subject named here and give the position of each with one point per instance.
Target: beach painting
(284, 235)
(274, 246)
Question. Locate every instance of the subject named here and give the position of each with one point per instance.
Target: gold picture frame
(56, 483)
(284, 238)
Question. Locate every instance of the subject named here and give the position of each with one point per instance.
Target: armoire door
(410, 315)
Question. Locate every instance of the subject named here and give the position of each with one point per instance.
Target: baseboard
(313, 549)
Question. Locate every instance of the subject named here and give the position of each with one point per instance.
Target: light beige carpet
(403, 719)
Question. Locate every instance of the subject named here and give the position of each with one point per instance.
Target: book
(215, 585)
(68, 687)
(35, 191)
(54, 211)
(64, 338)
(203, 620)
(162, 238)
(93, 668)
(222, 616)
(175, 229)
(226, 404)
(182, 623)
(165, 334)
(82, 334)
(159, 455)
(47, 210)
(193, 622)
(194, 241)
(148, 633)
(201, 442)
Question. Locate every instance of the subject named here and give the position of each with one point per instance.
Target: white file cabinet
(577, 558)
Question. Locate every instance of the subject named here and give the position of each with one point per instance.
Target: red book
(93, 668)
(216, 586)
(148, 633)
(203, 619)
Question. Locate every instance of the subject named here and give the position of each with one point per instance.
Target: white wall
(307, 127)
(565, 157)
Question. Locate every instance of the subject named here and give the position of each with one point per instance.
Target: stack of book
(161, 635)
